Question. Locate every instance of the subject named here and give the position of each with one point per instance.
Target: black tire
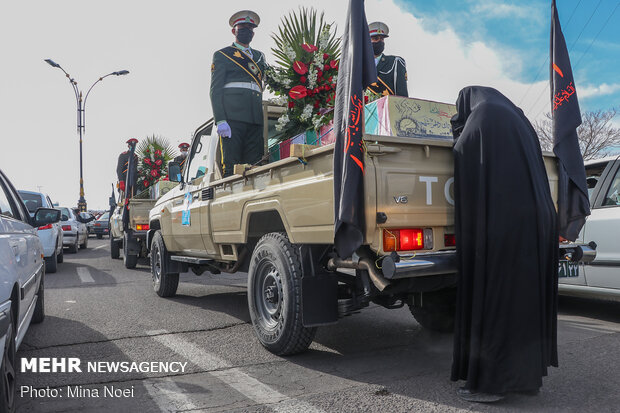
(73, 249)
(274, 296)
(115, 248)
(60, 257)
(99, 236)
(8, 387)
(85, 243)
(437, 310)
(129, 260)
(51, 263)
(39, 308)
(165, 284)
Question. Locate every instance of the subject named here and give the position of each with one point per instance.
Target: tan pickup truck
(277, 223)
(131, 238)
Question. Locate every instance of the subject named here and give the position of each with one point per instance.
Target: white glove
(223, 129)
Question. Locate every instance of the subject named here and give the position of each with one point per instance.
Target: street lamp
(81, 117)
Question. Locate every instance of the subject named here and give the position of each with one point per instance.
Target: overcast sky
(168, 46)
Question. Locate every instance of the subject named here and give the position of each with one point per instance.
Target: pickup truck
(600, 278)
(131, 237)
(276, 222)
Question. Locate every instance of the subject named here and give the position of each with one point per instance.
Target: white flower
(286, 82)
(282, 121)
(312, 75)
(307, 113)
(289, 52)
(324, 38)
(317, 121)
(279, 100)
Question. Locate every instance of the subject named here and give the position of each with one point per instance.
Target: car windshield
(104, 217)
(32, 201)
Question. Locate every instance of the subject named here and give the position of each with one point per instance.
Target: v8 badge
(402, 199)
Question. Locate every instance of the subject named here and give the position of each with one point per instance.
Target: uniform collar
(378, 58)
(246, 50)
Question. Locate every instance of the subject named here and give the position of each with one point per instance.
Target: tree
(597, 135)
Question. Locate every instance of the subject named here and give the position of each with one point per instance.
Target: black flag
(356, 71)
(573, 203)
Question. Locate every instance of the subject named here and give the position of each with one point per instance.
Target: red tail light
(403, 239)
(66, 227)
(48, 226)
(97, 224)
(142, 227)
(449, 240)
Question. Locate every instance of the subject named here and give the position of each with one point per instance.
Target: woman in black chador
(507, 250)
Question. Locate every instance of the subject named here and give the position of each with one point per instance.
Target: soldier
(122, 166)
(237, 95)
(184, 148)
(391, 70)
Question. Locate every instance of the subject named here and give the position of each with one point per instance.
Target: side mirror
(46, 216)
(174, 172)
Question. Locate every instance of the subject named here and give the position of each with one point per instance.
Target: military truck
(131, 238)
(276, 222)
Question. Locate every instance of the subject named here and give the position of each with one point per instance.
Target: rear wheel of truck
(274, 296)
(129, 260)
(115, 248)
(435, 310)
(164, 283)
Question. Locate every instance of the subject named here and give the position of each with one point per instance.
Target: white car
(75, 233)
(50, 234)
(600, 278)
(22, 273)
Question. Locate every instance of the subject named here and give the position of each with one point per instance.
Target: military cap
(378, 29)
(132, 140)
(184, 145)
(244, 16)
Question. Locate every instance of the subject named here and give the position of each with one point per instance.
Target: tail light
(48, 226)
(66, 227)
(449, 240)
(142, 227)
(97, 224)
(405, 239)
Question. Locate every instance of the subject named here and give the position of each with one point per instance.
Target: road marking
(84, 275)
(233, 376)
(168, 396)
(100, 246)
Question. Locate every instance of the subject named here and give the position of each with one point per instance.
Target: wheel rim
(156, 265)
(268, 296)
(8, 368)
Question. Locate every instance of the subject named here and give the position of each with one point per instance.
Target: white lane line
(100, 246)
(233, 376)
(168, 396)
(84, 275)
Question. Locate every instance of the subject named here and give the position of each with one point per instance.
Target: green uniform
(237, 98)
(392, 76)
(181, 160)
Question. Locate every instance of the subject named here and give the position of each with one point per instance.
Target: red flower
(147, 161)
(298, 92)
(158, 152)
(325, 56)
(154, 173)
(310, 48)
(146, 183)
(326, 67)
(333, 64)
(291, 105)
(316, 104)
(303, 79)
(300, 67)
(158, 162)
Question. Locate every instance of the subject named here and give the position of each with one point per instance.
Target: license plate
(568, 269)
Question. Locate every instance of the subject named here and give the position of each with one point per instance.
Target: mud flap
(319, 289)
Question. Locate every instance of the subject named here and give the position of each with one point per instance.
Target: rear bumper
(100, 230)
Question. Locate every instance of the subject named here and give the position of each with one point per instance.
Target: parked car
(22, 275)
(90, 224)
(600, 278)
(50, 234)
(74, 231)
(101, 226)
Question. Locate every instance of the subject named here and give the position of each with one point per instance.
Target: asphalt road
(376, 361)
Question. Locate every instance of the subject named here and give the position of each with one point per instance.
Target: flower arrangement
(153, 156)
(304, 78)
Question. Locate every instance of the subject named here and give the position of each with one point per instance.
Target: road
(376, 361)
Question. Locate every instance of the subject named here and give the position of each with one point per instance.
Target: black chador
(507, 248)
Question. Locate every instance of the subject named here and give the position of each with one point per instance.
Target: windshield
(104, 217)
(32, 201)
(65, 214)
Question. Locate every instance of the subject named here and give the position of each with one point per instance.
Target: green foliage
(154, 153)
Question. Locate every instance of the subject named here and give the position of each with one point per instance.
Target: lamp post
(81, 117)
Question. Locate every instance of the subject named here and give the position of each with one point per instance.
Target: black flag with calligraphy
(573, 203)
(356, 71)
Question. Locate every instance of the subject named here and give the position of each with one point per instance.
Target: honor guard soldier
(122, 166)
(237, 76)
(182, 158)
(391, 70)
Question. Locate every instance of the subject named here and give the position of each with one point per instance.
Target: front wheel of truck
(435, 310)
(274, 296)
(165, 284)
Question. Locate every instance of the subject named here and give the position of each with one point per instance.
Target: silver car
(22, 272)
(75, 233)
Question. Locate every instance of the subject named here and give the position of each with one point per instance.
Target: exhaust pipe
(363, 264)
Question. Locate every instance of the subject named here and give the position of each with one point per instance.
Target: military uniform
(237, 98)
(391, 70)
(182, 160)
(122, 167)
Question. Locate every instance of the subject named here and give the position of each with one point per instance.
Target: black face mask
(378, 47)
(244, 35)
